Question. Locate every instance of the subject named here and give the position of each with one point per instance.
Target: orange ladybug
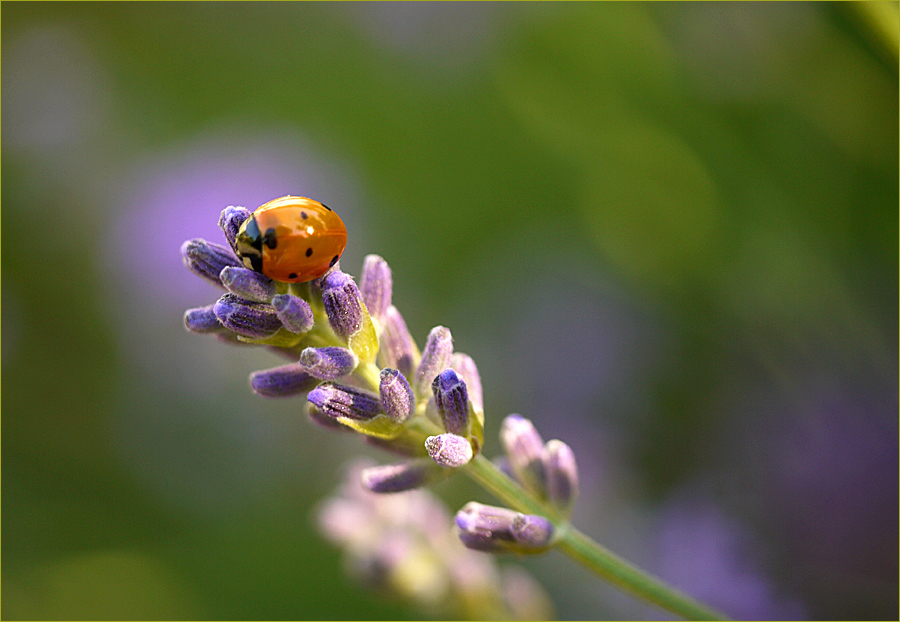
(291, 239)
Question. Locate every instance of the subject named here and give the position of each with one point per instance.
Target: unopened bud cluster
(546, 470)
(353, 356)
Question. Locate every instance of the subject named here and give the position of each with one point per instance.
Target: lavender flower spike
(452, 401)
(206, 259)
(492, 529)
(403, 476)
(294, 312)
(449, 450)
(375, 285)
(328, 363)
(230, 221)
(562, 475)
(202, 320)
(284, 381)
(398, 350)
(249, 319)
(247, 284)
(396, 395)
(343, 402)
(435, 357)
(523, 446)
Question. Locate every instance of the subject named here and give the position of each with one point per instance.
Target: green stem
(583, 549)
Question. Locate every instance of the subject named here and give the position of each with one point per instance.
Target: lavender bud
(562, 474)
(396, 395)
(492, 529)
(532, 531)
(230, 221)
(449, 450)
(328, 363)
(452, 401)
(207, 260)
(249, 319)
(464, 364)
(403, 476)
(435, 357)
(485, 527)
(342, 303)
(398, 350)
(284, 381)
(202, 320)
(348, 315)
(523, 446)
(247, 284)
(294, 312)
(336, 400)
(375, 285)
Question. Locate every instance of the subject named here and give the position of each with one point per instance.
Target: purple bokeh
(178, 195)
(711, 557)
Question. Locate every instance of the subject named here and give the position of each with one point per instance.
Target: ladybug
(291, 239)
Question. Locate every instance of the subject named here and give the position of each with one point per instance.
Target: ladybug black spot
(309, 252)
(269, 238)
(304, 215)
(292, 275)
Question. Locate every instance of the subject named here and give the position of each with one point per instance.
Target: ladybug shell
(299, 239)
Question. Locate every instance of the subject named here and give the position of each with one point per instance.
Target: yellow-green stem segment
(583, 549)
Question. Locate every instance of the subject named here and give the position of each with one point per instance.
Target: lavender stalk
(362, 372)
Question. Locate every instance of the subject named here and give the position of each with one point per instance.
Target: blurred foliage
(715, 185)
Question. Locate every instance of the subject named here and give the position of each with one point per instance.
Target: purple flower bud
(396, 395)
(341, 299)
(562, 474)
(492, 529)
(532, 531)
(449, 450)
(250, 319)
(403, 476)
(464, 364)
(435, 357)
(485, 527)
(247, 284)
(375, 285)
(202, 320)
(398, 350)
(452, 401)
(337, 400)
(207, 260)
(328, 363)
(322, 420)
(230, 221)
(523, 446)
(294, 313)
(284, 381)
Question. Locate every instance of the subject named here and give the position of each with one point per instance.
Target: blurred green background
(667, 233)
